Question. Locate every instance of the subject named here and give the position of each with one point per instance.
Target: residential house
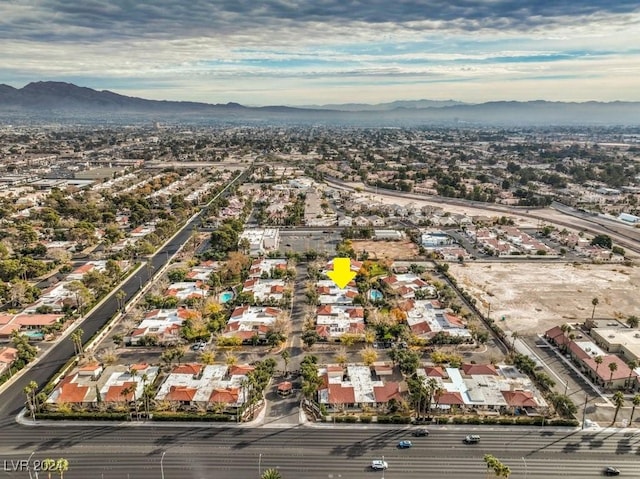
(427, 318)
(26, 322)
(332, 321)
(162, 324)
(247, 322)
(205, 386)
(7, 357)
(356, 386)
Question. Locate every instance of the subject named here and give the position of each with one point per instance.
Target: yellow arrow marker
(341, 274)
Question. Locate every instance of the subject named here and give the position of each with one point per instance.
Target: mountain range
(47, 100)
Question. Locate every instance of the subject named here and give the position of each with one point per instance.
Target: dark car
(405, 444)
(420, 433)
(611, 471)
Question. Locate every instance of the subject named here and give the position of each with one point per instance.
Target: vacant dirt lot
(387, 249)
(534, 297)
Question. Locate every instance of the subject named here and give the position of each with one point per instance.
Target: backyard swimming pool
(375, 295)
(226, 297)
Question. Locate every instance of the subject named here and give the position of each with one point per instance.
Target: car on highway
(379, 465)
(611, 471)
(420, 433)
(405, 444)
(471, 439)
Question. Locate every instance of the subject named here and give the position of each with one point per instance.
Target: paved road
(304, 452)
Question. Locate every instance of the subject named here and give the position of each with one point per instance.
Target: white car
(379, 465)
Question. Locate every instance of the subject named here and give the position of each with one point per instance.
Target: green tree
(602, 240)
(633, 321)
(62, 466)
(271, 474)
(49, 465)
(286, 356)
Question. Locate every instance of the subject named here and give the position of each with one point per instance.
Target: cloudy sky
(299, 52)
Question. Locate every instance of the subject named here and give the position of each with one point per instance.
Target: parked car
(379, 465)
(611, 471)
(405, 444)
(471, 439)
(420, 433)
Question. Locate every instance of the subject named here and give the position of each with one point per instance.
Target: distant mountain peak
(52, 99)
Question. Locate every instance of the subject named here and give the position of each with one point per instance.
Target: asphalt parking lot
(300, 242)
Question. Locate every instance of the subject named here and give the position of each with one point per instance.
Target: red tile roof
(479, 369)
(225, 396)
(604, 373)
(72, 393)
(341, 395)
(115, 393)
(435, 372)
(519, 398)
(449, 398)
(181, 393)
(189, 368)
(386, 392)
(240, 369)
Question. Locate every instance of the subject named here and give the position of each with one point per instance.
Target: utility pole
(161, 464)
(584, 410)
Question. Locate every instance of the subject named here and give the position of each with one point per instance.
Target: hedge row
(84, 416)
(394, 420)
(186, 416)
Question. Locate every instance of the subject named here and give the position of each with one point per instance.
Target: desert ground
(534, 297)
(387, 249)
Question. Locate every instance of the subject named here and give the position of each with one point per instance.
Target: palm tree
(633, 321)
(76, 337)
(632, 365)
(62, 465)
(230, 359)
(594, 302)
(514, 336)
(618, 401)
(271, 474)
(613, 367)
(341, 357)
(49, 465)
(120, 295)
(30, 391)
(598, 360)
(490, 461)
(636, 402)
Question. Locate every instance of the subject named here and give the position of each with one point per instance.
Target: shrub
(384, 419)
(366, 418)
(186, 416)
(84, 416)
(459, 420)
(490, 420)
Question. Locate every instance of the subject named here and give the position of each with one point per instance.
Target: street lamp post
(260, 465)
(566, 386)
(162, 465)
(383, 468)
(29, 462)
(525, 467)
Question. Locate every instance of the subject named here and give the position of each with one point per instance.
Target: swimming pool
(34, 334)
(226, 297)
(375, 295)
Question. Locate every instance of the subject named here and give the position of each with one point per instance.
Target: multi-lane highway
(314, 453)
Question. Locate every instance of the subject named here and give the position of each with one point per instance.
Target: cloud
(276, 50)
